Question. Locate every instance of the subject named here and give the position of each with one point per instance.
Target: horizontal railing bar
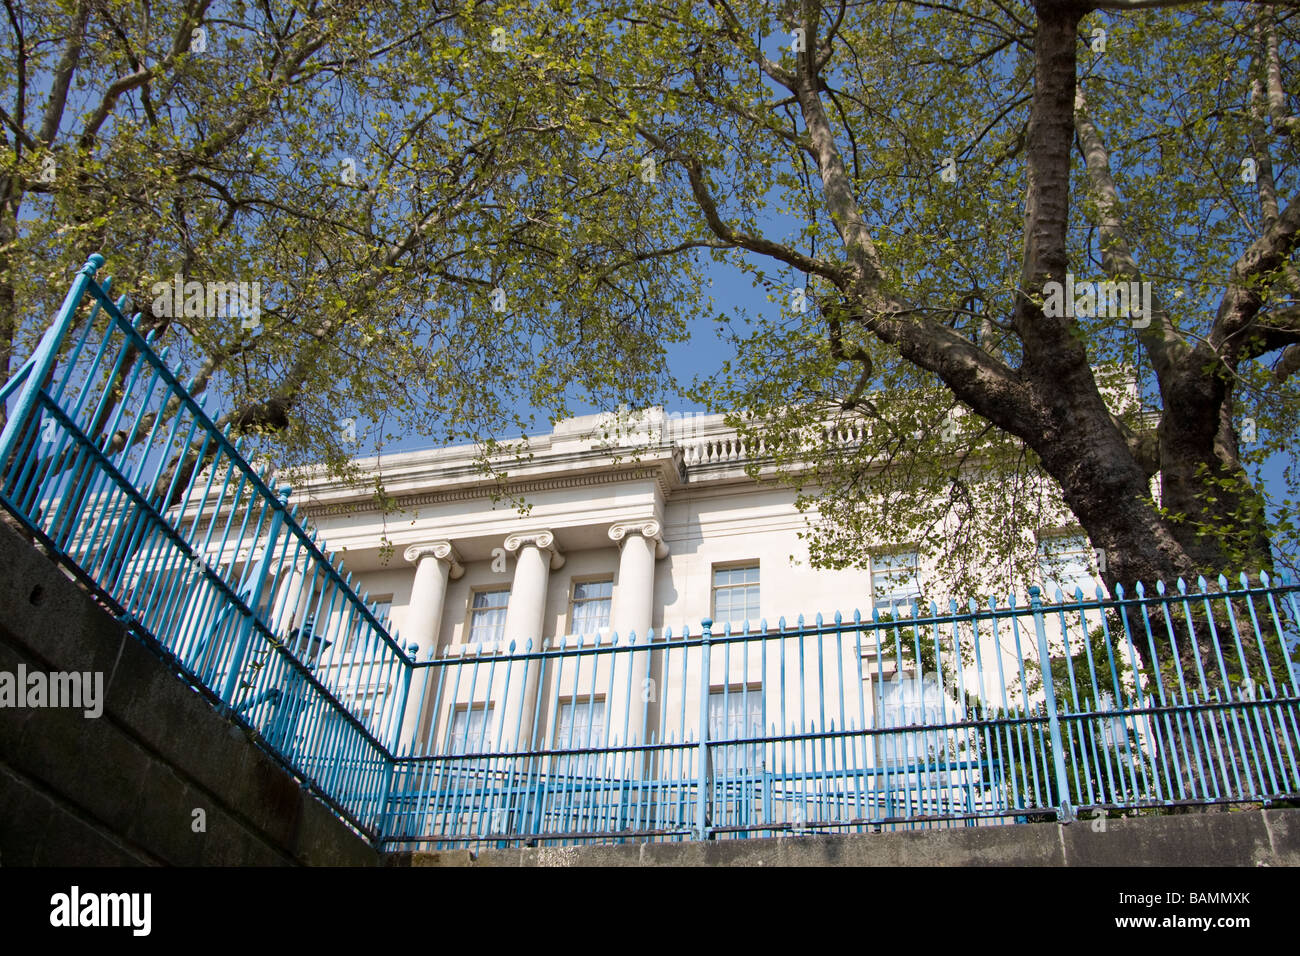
(1175, 804)
(813, 736)
(604, 835)
(811, 630)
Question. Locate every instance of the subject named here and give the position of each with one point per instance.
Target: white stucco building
(635, 523)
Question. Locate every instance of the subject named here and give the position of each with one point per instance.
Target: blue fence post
(702, 787)
(383, 812)
(254, 598)
(46, 353)
(1065, 813)
(395, 743)
(384, 827)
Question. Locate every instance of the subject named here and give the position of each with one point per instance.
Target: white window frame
(383, 607)
(353, 633)
(737, 759)
(482, 740)
(921, 704)
(886, 594)
(474, 612)
(574, 601)
(736, 623)
(586, 764)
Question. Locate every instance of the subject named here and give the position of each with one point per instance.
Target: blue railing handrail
(225, 618)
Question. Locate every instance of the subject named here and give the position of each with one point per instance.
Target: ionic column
(288, 601)
(640, 544)
(537, 555)
(435, 564)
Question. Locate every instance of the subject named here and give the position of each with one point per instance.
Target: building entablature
(420, 480)
(585, 452)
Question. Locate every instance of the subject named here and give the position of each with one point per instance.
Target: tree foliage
(907, 179)
(434, 253)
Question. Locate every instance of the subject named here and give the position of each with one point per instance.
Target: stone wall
(123, 788)
(1247, 838)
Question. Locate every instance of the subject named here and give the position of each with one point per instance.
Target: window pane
(585, 590)
(580, 725)
(737, 713)
(723, 577)
(723, 602)
(488, 618)
(471, 731)
(485, 599)
(894, 582)
(590, 616)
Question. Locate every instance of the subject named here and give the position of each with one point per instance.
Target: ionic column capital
(648, 528)
(543, 540)
(299, 564)
(442, 550)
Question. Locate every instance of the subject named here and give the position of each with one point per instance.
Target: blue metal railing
(850, 725)
(983, 715)
(108, 460)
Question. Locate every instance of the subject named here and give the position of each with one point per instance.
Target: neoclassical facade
(613, 542)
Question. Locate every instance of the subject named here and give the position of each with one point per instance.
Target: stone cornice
(510, 489)
(442, 550)
(648, 528)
